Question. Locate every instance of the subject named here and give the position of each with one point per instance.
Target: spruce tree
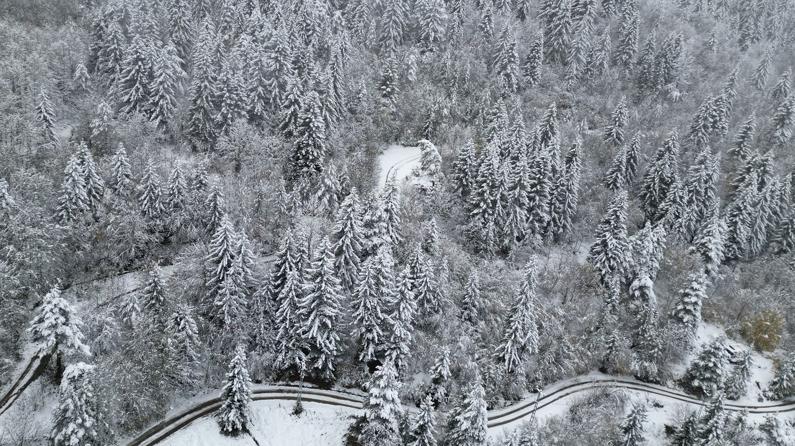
(784, 121)
(783, 88)
(401, 317)
(783, 383)
(181, 28)
(321, 310)
(45, 114)
(762, 71)
(183, 342)
(712, 424)
(166, 83)
(7, 203)
(687, 311)
(150, 197)
(687, 433)
(122, 180)
(705, 375)
(737, 381)
(287, 260)
(347, 235)
(234, 416)
(176, 198)
(700, 194)
(369, 315)
(72, 200)
(506, 60)
(56, 328)
(608, 255)
(614, 178)
(423, 430)
(153, 295)
(709, 242)
(95, 187)
(558, 28)
(214, 209)
(614, 132)
(659, 179)
(466, 424)
(440, 375)
(291, 345)
(632, 427)
(471, 303)
(627, 46)
(432, 18)
(310, 148)
(391, 202)
(430, 240)
(292, 104)
(220, 258)
(77, 419)
(647, 346)
(382, 409)
(135, 78)
(520, 335)
(202, 91)
(231, 91)
(533, 62)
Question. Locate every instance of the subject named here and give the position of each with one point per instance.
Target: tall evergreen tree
(150, 197)
(133, 85)
(234, 416)
(72, 200)
(291, 345)
(382, 409)
(56, 328)
(784, 121)
(705, 375)
(423, 430)
(402, 314)
(202, 91)
(95, 187)
(627, 46)
(632, 427)
(45, 114)
(167, 75)
(467, 420)
(520, 335)
(369, 314)
(608, 253)
(506, 60)
(471, 303)
(533, 62)
(687, 311)
(122, 180)
(659, 179)
(614, 132)
(77, 418)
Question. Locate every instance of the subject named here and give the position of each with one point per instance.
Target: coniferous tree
(393, 22)
(737, 381)
(391, 211)
(647, 346)
(135, 77)
(287, 261)
(627, 46)
(369, 314)
(382, 409)
(401, 317)
(7, 203)
(471, 303)
(784, 121)
(202, 90)
(783, 239)
(646, 80)
(220, 258)
(321, 310)
(467, 420)
(608, 254)
(77, 418)
(347, 236)
(153, 295)
(558, 28)
(122, 180)
(181, 28)
(45, 114)
(762, 71)
(214, 209)
(783, 88)
(687, 433)
(712, 424)
(234, 416)
(687, 311)
(506, 60)
(432, 17)
(73, 200)
(176, 198)
(700, 194)
(614, 178)
(291, 345)
(520, 335)
(150, 197)
(423, 430)
(567, 191)
(783, 383)
(310, 147)
(705, 375)
(465, 169)
(614, 132)
(56, 328)
(183, 342)
(632, 427)
(166, 82)
(430, 240)
(231, 91)
(95, 187)
(533, 62)
(659, 179)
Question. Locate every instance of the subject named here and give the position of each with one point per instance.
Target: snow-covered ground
(274, 425)
(397, 161)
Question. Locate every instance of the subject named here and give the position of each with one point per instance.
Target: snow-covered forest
(397, 222)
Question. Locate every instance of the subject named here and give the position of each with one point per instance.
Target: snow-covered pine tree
(291, 345)
(122, 180)
(741, 148)
(567, 192)
(321, 310)
(647, 346)
(234, 416)
(328, 191)
(287, 260)
(783, 87)
(783, 383)
(520, 334)
(45, 114)
(533, 62)
(369, 316)
(762, 71)
(631, 428)
(558, 28)
(214, 209)
(382, 409)
(56, 328)
(539, 192)
(78, 416)
(709, 242)
(391, 210)
(737, 381)
(401, 317)
(309, 149)
(614, 178)
(506, 60)
(167, 75)
(466, 424)
(183, 341)
(712, 424)
(181, 28)
(7, 203)
(700, 194)
(176, 192)
(687, 311)
(614, 132)
(95, 187)
(705, 375)
(608, 254)
(150, 196)
(347, 235)
(202, 91)
(231, 91)
(292, 104)
(783, 121)
(132, 86)
(440, 374)
(430, 238)
(627, 46)
(739, 218)
(430, 160)
(432, 18)
(471, 302)
(393, 23)
(659, 178)
(153, 296)
(220, 258)
(72, 200)
(229, 300)
(783, 239)
(645, 80)
(423, 430)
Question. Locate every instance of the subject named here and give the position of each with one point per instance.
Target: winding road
(496, 418)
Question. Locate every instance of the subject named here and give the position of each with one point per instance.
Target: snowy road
(516, 413)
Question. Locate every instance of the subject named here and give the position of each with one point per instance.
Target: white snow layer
(397, 161)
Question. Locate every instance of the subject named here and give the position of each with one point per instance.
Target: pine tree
(739, 219)
(687, 311)
(608, 254)
(321, 310)
(647, 346)
(632, 427)
(709, 242)
(614, 178)
(784, 121)
(667, 61)
(153, 295)
(783, 239)
(700, 194)
(177, 191)
(432, 17)
(558, 28)
(423, 430)
(289, 322)
(7, 203)
(95, 187)
(214, 209)
(202, 90)
(402, 314)
(391, 211)
(234, 416)
(471, 303)
(110, 56)
(287, 261)
(56, 328)
(100, 125)
(45, 114)
(440, 375)
(73, 200)
(122, 180)
(150, 197)
(506, 60)
(166, 82)
(646, 81)
(614, 132)
(231, 93)
(77, 418)
(762, 71)
(704, 376)
(310, 147)
(783, 383)
(712, 425)
(382, 409)
(737, 381)
(229, 298)
(783, 88)
(627, 46)
(467, 420)
(687, 433)
(135, 78)
(369, 314)
(660, 178)
(220, 258)
(393, 22)
(347, 235)
(183, 341)
(520, 335)
(533, 62)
